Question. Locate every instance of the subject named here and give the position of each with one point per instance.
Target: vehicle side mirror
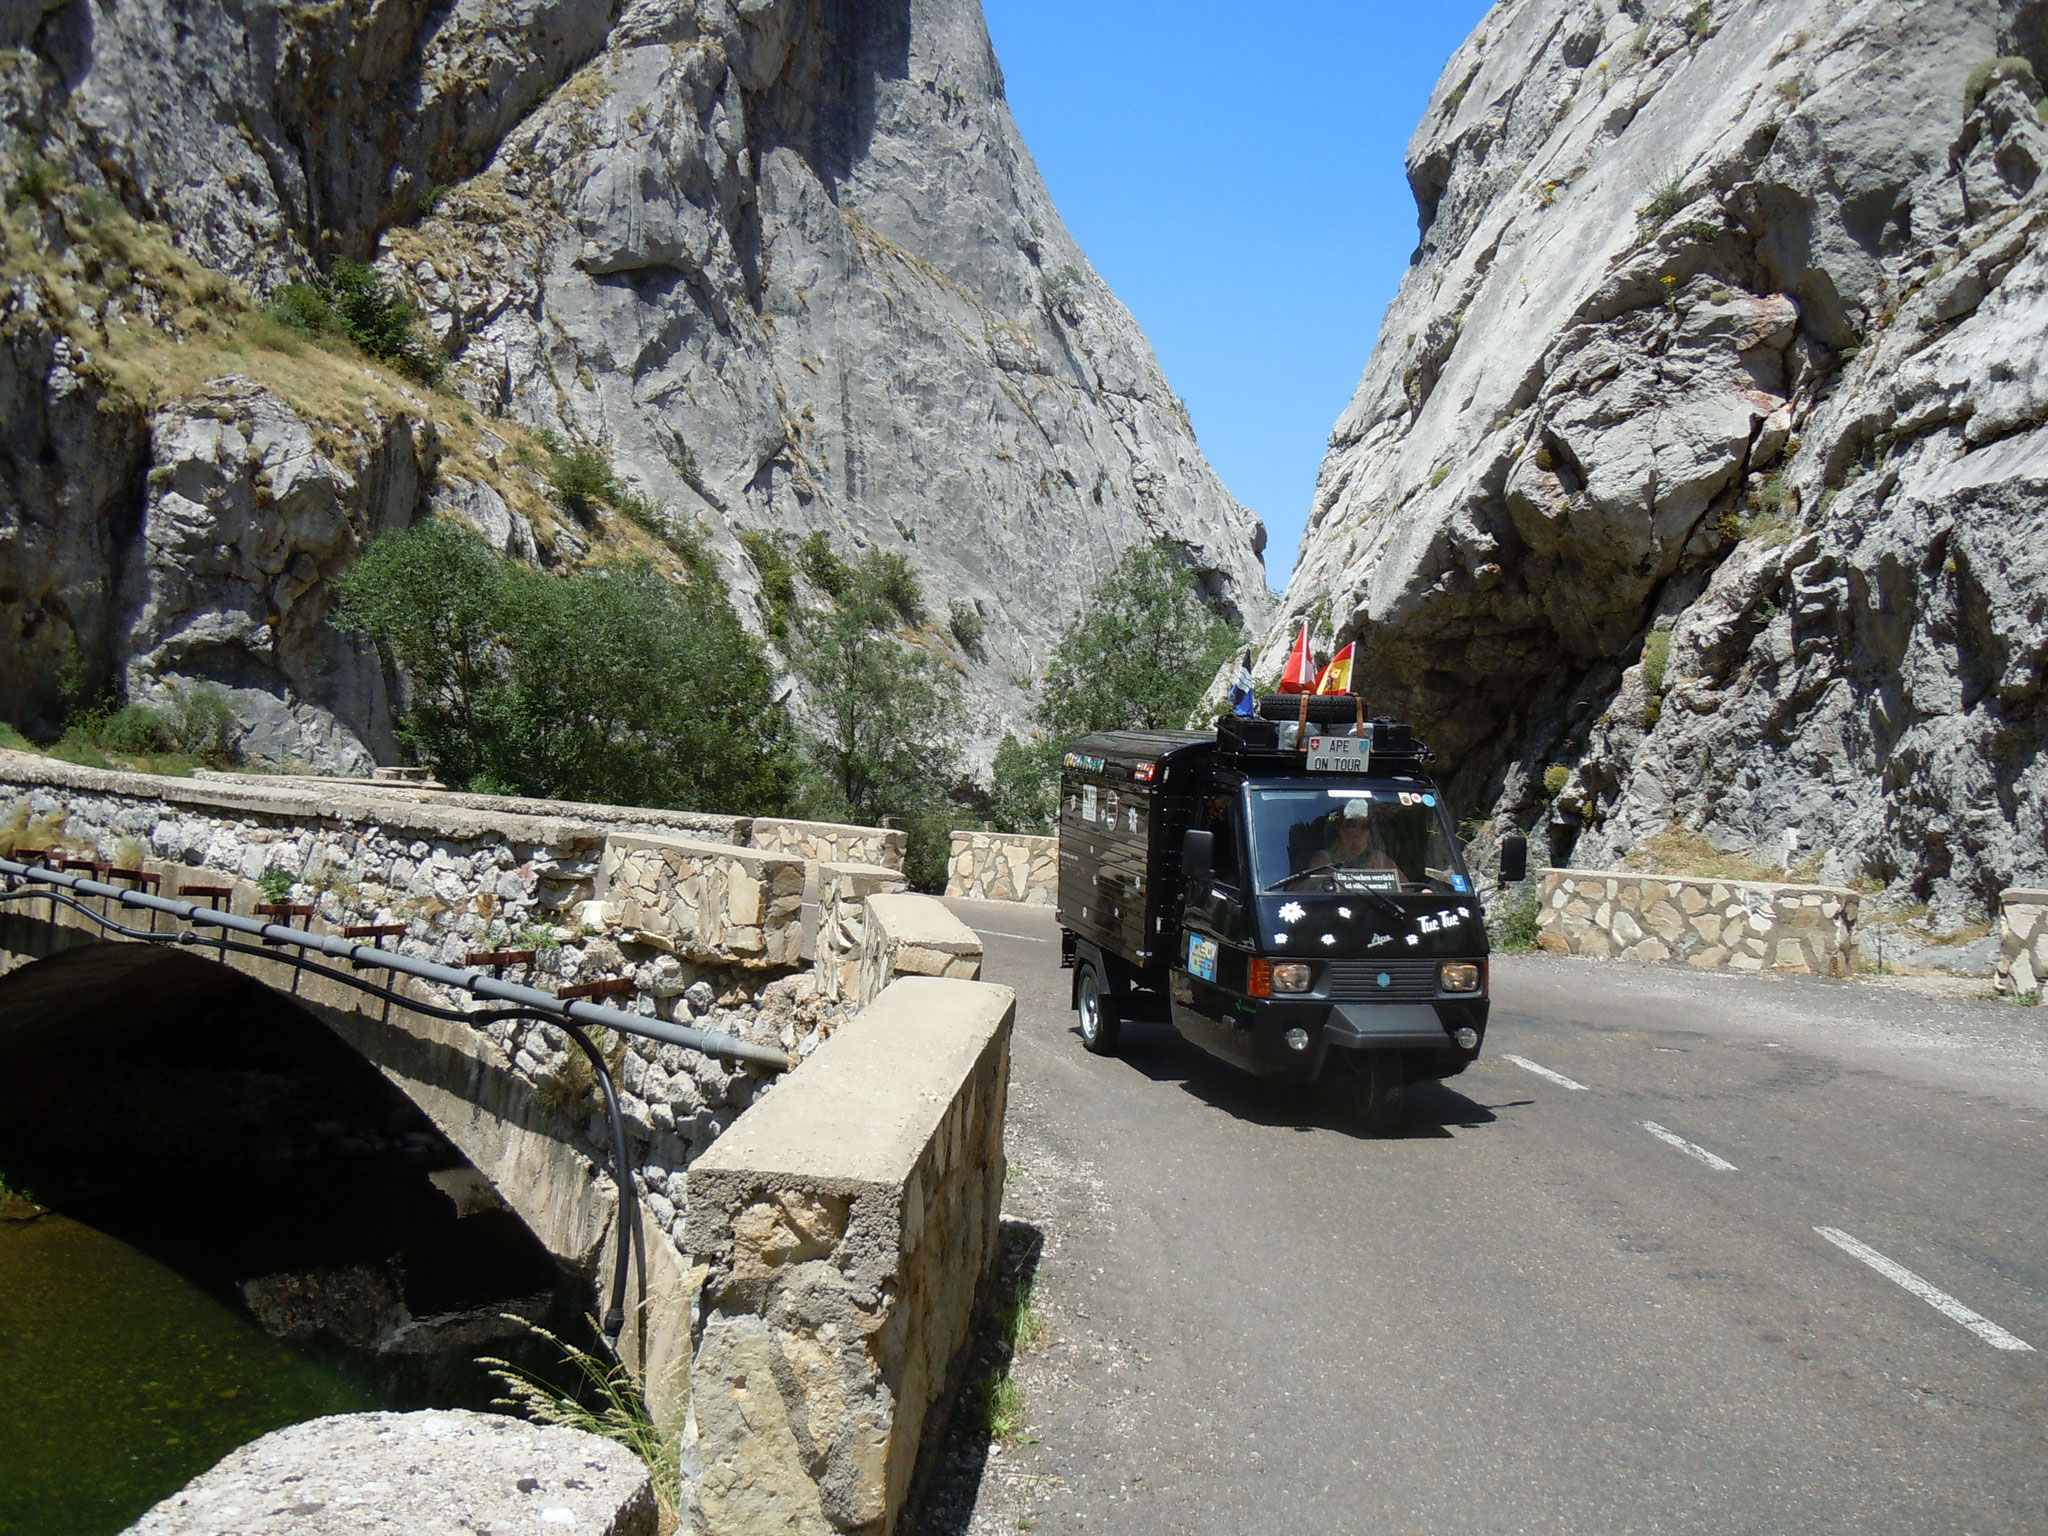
(1197, 856)
(1514, 859)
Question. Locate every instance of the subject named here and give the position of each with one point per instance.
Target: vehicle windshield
(1356, 838)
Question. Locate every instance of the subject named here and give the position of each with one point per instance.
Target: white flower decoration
(1293, 912)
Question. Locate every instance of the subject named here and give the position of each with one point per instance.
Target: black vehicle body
(1162, 945)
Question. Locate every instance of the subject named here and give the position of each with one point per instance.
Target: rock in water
(444, 1473)
(1701, 452)
(784, 266)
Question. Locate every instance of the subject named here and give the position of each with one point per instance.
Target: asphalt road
(1529, 1312)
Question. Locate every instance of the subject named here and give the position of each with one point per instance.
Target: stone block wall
(2022, 941)
(827, 842)
(1004, 866)
(907, 934)
(843, 890)
(709, 902)
(845, 1226)
(1621, 914)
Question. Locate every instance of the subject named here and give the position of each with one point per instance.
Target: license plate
(1337, 754)
(1201, 957)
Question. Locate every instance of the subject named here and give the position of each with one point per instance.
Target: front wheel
(1100, 1025)
(1382, 1091)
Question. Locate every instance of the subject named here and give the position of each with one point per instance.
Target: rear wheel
(1382, 1091)
(1100, 1023)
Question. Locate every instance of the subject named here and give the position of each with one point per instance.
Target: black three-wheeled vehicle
(1289, 894)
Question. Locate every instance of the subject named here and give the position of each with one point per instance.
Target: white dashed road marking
(1556, 1077)
(997, 933)
(1941, 1301)
(1690, 1149)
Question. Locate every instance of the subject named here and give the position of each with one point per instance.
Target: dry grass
(208, 326)
(1679, 852)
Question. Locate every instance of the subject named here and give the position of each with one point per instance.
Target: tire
(1382, 1091)
(1101, 1024)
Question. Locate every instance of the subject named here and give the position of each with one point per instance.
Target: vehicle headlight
(1290, 976)
(1458, 976)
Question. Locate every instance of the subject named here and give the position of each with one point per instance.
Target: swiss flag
(1300, 676)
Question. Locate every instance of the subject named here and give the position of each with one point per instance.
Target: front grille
(1358, 981)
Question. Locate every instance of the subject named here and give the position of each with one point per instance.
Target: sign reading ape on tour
(1338, 754)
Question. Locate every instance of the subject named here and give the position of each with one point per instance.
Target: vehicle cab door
(1208, 985)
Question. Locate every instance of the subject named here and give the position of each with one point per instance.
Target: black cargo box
(1127, 798)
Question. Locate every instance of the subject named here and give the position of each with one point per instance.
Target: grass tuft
(607, 1402)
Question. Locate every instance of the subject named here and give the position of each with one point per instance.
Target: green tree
(1138, 656)
(432, 598)
(616, 685)
(885, 738)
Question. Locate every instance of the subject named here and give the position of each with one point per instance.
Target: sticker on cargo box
(1201, 957)
(1087, 802)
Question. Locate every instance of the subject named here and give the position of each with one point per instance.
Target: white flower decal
(1293, 912)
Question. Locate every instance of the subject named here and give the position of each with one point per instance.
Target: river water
(120, 1380)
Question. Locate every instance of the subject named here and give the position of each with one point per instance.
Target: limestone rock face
(785, 264)
(244, 522)
(790, 266)
(1726, 322)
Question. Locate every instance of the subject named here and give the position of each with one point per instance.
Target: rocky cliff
(1700, 463)
(785, 264)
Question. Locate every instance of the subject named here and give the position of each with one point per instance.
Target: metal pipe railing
(476, 983)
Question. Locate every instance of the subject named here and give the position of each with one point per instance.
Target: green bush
(966, 624)
(890, 579)
(614, 685)
(826, 571)
(1666, 197)
(1139, 655)
(881, 715)
(1994, 72)
(1555, 777)
(1656, 657)
(1062, 290)
(1023, 795)
(194, 720)
(1513, 920)
(356, 302)
(303, 307)
(778, 579)
(580, 477)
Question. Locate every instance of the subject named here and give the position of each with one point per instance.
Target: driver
(1354, 844)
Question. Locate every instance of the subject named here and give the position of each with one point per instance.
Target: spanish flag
(1336, 677)
(1301, 667)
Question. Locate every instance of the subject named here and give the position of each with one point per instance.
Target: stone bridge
(685, 919)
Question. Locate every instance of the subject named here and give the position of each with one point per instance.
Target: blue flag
(1241, 700)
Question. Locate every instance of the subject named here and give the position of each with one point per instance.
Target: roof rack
(1269, 743)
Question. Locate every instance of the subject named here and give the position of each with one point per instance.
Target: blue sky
(1235, 174)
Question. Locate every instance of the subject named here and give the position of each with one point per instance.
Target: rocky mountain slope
(785, 264)
(1699, 468)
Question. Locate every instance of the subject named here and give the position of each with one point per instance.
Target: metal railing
(569, 1014)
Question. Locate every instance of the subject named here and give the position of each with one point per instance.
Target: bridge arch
(225, 1128)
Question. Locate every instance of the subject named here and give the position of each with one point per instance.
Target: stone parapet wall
(2022, 941)
(459, 881)
(905, 934)
(1004, 866)
(1621, 914)
(827, 842)
(709, 902)
(845, 1226)
(843, 891)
